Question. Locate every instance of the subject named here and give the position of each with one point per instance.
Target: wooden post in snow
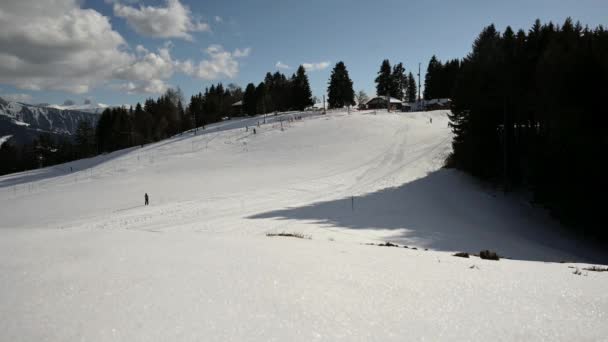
(324, 104)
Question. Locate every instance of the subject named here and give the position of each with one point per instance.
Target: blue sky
(245, 38)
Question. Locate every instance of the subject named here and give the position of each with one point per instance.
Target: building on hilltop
(379, 102)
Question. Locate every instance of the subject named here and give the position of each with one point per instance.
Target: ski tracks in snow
(405, 158)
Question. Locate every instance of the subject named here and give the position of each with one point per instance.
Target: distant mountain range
(24, 121)
(95, 108)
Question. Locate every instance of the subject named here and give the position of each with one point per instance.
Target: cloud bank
(66, 48)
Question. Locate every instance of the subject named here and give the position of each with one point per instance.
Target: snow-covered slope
(82, 258)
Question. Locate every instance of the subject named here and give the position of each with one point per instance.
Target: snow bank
(4, 139)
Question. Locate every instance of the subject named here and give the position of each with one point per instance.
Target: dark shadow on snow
(448, 211)
(60, 169)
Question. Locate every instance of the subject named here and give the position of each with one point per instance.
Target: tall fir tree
(262, 99)
(249, 100)
(85, 138)
(432, 79)
(301, 94)
(412, 89)
(384, 82)
(398, 82)
(340, 90)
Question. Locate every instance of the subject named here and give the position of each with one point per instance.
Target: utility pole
(419, 85)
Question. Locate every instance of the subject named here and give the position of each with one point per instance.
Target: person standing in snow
(146, 199)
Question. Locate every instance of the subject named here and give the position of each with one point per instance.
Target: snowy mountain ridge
(95, 108)
(45, 119)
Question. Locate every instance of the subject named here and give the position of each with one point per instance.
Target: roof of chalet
(383, 98)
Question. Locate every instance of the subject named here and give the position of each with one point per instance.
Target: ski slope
(83, 259)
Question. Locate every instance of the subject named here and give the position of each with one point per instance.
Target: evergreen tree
(432, 79)
(340, 90)
(398, 83)
(268, 101)
(301, 95)
(142, 125)
(249, 100)
(519, 117)
(196, 109)
(412, 89)
(103, 131)
(85, 139)
(185, 118)
(280, 92)
(384, 82)
(10, 159)
(262, 99)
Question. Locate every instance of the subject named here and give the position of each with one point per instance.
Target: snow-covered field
(81, 258)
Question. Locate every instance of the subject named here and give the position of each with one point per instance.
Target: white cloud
(59, 47)
(220, 64)
(123, 1)
(151, 66)
(315, 66)
(17, 97)
(281, 65)
(140, 49)
(173, 21)
(143, 87)
(218, 19)
(238, 53)
(66, 48)
(148, 73)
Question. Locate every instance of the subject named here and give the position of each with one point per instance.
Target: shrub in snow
(489, 255)
(296, 235)
(462, 254)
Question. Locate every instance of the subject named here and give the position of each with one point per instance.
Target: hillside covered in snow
(83, 259)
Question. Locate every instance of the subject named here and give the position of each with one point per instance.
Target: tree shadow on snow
(59, 170)
(448, 211)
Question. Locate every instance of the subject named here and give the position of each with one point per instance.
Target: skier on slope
(146, 199)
